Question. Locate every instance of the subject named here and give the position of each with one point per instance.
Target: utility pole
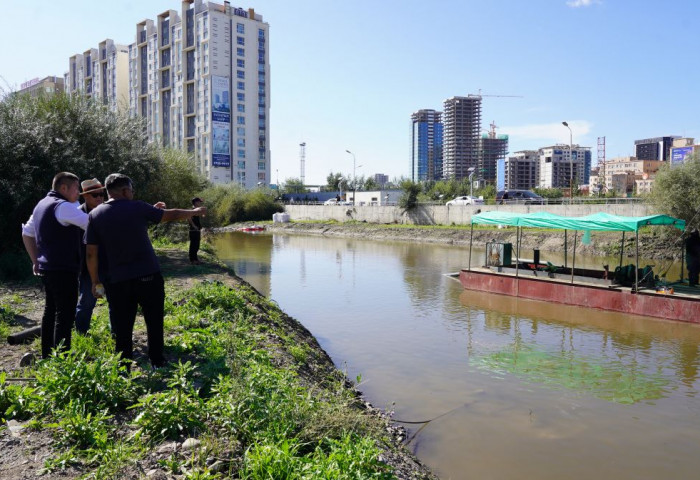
(302, 161)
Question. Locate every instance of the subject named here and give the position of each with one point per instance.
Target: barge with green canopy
(627, 289)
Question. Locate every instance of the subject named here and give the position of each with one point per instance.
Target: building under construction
(493, 148)
(461, 143)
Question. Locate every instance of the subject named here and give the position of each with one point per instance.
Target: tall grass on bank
(236, 386)
(232, 203)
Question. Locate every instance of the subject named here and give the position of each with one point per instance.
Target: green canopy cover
(597, 221)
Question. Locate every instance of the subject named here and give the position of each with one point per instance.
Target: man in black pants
(52, 237)
(692, 257)
(120, 228)
(195, 232)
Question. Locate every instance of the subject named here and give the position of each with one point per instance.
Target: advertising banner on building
(679, 154)
(220, 122)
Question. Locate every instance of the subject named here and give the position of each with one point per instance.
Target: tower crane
(511, 96)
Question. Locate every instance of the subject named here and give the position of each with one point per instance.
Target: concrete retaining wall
(444, 215)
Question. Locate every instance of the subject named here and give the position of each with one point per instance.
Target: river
(507, 388)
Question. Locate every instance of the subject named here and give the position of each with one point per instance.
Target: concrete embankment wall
(444, 215)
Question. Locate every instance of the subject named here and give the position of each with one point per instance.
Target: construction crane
(511, 96)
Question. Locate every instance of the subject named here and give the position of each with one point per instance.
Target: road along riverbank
(654, 243)
(247, 391)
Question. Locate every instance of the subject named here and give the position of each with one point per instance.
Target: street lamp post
(354, 178)
(571, 164)
(471, 171)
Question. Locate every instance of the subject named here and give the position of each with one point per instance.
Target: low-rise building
(624, 175)
(44, 86)
(682, 149)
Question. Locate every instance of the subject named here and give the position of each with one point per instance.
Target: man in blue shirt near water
(119, 229)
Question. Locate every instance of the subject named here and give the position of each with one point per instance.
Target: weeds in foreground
(230, 389)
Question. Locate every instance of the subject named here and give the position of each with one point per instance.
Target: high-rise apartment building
(101, 73)
(201, 79)
(426, 145)
(658, 148)
(556, 166)
(522, 170)
(462, 128)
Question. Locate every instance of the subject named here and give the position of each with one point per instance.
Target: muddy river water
(505, 388)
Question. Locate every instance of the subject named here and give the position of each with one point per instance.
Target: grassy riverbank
(248, 393)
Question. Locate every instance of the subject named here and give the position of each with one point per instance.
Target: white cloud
(545, 134)
(581, 3)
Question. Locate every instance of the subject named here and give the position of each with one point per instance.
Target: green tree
(371, 184)
(42, 136)
(178, 180)
(675, 191)
(552, 193)
(294, 185)
(408, 199)
(332, 181)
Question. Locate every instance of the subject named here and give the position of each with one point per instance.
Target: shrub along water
(41, 136)
(237, 387)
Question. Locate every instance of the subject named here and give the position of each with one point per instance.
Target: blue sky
(348, 75)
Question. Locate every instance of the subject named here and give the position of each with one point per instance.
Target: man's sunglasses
(97, 195)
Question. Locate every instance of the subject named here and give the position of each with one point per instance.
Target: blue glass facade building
(426, 145)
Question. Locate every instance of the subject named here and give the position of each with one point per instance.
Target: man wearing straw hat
(52, 237)
(93, 194)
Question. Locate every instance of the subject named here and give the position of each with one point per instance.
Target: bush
(42, 136)
(675, 191)
(15, 265)
(410, 194)
(228, 204)
(99, 384)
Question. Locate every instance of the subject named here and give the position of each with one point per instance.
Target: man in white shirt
(52, 237)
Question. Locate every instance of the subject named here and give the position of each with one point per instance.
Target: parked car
(466, 200)
(519, 196)
(333, 201)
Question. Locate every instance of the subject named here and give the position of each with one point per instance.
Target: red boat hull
(682, 308)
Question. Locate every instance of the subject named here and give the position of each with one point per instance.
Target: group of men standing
(78, 249)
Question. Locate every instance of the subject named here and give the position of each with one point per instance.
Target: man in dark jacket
(52, 237)
(119, 228)
(692, 257)
(195, 232)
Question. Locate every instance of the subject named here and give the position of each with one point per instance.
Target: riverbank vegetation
(248, 393)
(41, 136)
(677, 191)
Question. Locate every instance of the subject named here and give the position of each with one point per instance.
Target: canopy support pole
(566, 253)
(517, 249)
(622, 248)
(636, 270)
(680, 280)
(518, 234)
(471, 240)
(573, 262)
